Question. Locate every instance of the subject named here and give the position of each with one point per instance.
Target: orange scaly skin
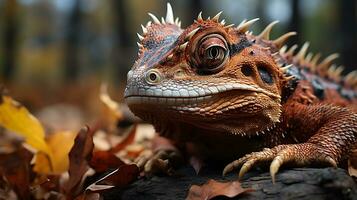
(219, 92)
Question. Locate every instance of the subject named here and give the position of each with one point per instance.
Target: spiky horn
(265, 34)
(169, 14)
(154, 18)
(279, 42)
(301, 54)
(216, 17)
(243, 27)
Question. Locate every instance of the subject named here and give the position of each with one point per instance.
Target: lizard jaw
(170, 101)
(205, 111)
(190, 90)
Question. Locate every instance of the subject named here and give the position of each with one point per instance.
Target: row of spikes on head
(303, 59)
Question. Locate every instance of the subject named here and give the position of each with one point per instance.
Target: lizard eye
(211, 54)
(152, 77)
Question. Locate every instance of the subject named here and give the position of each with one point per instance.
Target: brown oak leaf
(103, 160)
(79, 157)
(17, 170)
(214, 188)
(129, 139)
(120, 177)
(89, 196)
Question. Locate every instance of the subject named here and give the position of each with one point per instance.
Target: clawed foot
(297, 154)
(161, 161)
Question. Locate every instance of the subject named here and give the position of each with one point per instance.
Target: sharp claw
(142, 159)
(331, 161)
(231, 166)
(280, 155)
(141, 162)
(242, 171)
(162, 154)
(227, 169)
(246, 167)
(148, 165)
(273, 179)
(274, 167)
(154, 165)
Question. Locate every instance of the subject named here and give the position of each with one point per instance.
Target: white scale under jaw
(165, 101)
(181, 94)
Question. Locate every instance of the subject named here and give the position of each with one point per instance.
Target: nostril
(247, 70)
(152, 76)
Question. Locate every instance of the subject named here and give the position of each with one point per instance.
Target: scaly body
(219, 92)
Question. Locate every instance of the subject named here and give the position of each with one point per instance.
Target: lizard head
(208, 75)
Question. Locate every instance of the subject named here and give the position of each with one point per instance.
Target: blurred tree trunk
(196, 7)
(122, 44)
(348, 27)
(295, 22)
(9, 38)
(72, 43)
(260, 10)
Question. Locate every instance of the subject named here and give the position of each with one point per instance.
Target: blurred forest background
(59, 51)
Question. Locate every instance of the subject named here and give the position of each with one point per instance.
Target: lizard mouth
(181, 97)
(136, 99)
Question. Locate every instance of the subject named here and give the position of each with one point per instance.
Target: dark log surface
(296, 183)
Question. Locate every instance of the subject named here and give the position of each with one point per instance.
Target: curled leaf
(214, 188)
(120, 177)
(79, 157)
(123, 176)
(15, 117)
(89, 196)
(103, 160)
(129, 139)
(16, 168)
(60, 160)
(113, 106)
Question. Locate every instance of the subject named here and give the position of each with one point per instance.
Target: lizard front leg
(331, 133)
(161, 158)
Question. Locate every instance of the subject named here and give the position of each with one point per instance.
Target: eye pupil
(153, 76)
(213, 52)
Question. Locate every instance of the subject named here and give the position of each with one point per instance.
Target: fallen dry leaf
(89, 196)
(79, 157)
(6, 191)
(60, 160)
(107, 100)
(111, 112)
(214, 188)
(98, 188)
(120, 177)
(134, 150)
(45, 184)
(17, 170)
(123, 176)
(129, 139)
(16, 118)
(102, 161)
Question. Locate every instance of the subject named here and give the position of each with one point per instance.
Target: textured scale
(221, 93)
